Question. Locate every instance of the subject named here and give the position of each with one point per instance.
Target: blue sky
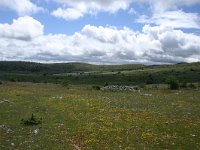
(100, 31)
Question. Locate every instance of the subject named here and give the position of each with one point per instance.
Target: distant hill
(32, 67)
(82, 73)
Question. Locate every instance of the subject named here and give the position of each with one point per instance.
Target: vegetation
(183, 85)
(193, 86)
(78, 73)
(31, 67)
(65, 83)
(81, 118)
(142, 113)
(96, 87)
(31, 121)
(173, 83)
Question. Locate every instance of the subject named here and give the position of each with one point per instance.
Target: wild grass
(83, 118)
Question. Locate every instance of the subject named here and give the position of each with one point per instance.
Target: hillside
(32, 67)
(81, 73)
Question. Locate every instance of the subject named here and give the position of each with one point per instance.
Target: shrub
(31, 121)
(136, 88)
(150, 79)
(65, 84)
(183, 85)
(106, 84)
(173, 83)
(192, 86)
(12, 80)
(1, 82)
(191, 69)
(96, 87)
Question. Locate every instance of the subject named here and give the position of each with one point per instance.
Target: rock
(193, 135)
(145, 94)
(57, 97)
(6, 128)
(170, 122)
(2, 126)
(5, 101)
(36, 131)
(120, 87)
(13, 144)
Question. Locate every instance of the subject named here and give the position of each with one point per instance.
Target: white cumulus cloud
(24, 28)
(175, 19)
(170, 13)
(22, 7)
(67, 14)
(75, 9)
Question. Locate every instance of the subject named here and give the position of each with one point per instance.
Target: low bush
(12, 80)
(173, 83)
(96, 87)
(192, 86)
(65, 84)
(31, 121)
(183, 85)
(106, 84)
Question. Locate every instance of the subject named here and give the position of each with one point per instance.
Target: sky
(100, 31)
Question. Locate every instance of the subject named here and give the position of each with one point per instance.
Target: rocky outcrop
(120, 87)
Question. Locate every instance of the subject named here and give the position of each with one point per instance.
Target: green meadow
(80, 117)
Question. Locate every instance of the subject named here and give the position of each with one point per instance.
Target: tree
(173, 83)
(150, 79)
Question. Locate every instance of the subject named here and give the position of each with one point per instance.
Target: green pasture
(79, 117)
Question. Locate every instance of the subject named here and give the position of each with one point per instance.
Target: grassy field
(83, 118)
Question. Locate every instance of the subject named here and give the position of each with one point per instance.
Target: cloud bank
(75, 9)
(24, 40)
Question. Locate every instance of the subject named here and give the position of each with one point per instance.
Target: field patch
(79, 117)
